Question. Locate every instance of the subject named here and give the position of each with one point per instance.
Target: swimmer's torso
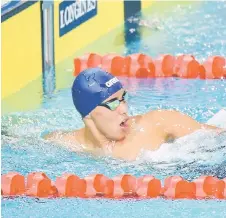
(147, 132)
(142, 135)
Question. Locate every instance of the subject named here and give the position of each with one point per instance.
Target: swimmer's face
(111, 116)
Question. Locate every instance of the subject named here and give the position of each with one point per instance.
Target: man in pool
(101, 100)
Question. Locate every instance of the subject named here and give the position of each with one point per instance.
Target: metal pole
(49, 82)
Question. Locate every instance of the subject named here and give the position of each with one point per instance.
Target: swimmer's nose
(123, 108)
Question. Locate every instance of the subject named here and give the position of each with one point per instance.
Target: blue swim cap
(91, 87)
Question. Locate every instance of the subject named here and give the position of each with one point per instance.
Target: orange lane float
(175, 187)
(37, 184)
(165, 65)
(86, 61)
(12, 184)
(187, 67)
(98, 185)
(215, 67)
(114, 63)
(148, 187)
(70, 185)
(139, 65)
(210, 187)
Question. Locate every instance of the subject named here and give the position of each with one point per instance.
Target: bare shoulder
(62, 137)
(153, 119)
(164, 112)
(171, 121)
(158, 115)
(168, 115)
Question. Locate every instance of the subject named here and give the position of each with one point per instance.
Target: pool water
(202, 32)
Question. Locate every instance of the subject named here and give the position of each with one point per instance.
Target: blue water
(24, 151)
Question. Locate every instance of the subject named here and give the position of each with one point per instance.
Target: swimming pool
(24, 151)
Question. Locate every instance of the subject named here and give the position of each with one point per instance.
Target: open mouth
(124, 123)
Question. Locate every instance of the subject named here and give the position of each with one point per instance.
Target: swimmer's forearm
(207, 126)
(218, 129)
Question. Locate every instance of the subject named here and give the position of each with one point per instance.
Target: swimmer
(101, 100)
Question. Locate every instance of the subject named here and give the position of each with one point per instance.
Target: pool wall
(100, 29)
(21, 58)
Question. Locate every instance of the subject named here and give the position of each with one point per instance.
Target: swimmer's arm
(58, 137)
(176, 124)
(66, 139)
(207, 126)
(186, 125)
(54, 136)
(218, 130)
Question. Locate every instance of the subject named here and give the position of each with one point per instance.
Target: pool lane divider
(39, 185)
(144, 66)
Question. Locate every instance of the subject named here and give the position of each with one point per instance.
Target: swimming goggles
(115, 102)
